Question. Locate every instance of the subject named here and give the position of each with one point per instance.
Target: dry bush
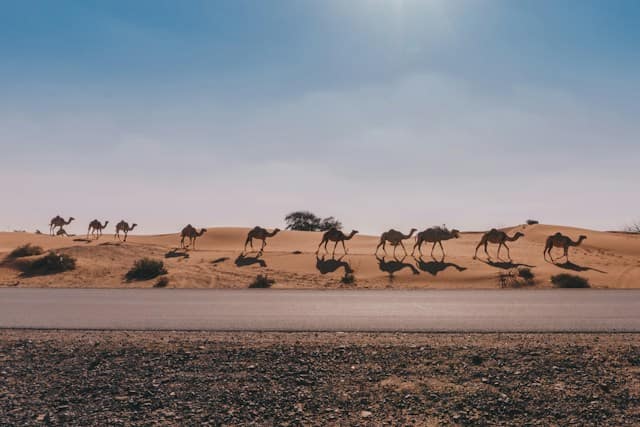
(570, 281)
(146, 269)
(25, 251)
(51, 263)
(261, 282)
(516, 278)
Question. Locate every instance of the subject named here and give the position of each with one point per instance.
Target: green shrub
(565, 280)
(25, 251)
(261, 282)
(51, 263)
(146, 269)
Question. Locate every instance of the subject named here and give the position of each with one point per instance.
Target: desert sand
(608, 260)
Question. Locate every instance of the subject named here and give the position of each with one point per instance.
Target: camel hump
(493, 230)
(558, 234)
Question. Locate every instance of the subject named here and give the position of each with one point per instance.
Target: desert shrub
(51, 263)
(516, 278)
(162, 282)
(25, 251)
(565, 280)
(261, 282)
(146, 269)
(532, 222)
(348, 279)
(307, 221)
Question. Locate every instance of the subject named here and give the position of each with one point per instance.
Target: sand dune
(608, 260)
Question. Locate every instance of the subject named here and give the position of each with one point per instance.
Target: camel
(559, 240)
(125, 228)
(95, 228)
(435, 235)
(498, 237)
(190, 232)
(58, 221)
(335, 235)
(394, 238)
(259, 233)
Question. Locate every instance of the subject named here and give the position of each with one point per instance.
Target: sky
(382, 113)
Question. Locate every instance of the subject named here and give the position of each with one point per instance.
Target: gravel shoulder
(159, 378)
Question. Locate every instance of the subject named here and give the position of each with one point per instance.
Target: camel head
(133, 226)
(204, 230)
(455, 233)
(581, 238)
(518, 235)
(353, 233)
(71, 219)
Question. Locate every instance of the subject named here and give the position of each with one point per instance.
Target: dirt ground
(135, 378)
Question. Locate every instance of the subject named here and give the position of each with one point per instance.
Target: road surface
(323, 310)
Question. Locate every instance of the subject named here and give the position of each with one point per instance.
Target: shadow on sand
(326, 266)
(504, 265)
(435, 267)
(568, 265)
(244, 260)
(394, 266)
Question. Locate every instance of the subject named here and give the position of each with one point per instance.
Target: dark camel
(259, 233)
(497, 237)
(434, 235)
(95, 228)
(394, 238)
(58, 221)
(125, 228)
(559, 240)
(337, 236)
(192, 234)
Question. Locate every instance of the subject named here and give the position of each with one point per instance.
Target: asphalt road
(322, 310)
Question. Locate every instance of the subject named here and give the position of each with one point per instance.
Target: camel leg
(442, 249)
(344, 247)
(508, 251)
(475, 256)
(126, 233)
(566, 254)
(432, 248)
(334, 248)
(485, 250)
(413, 251)
(246, 242)
(403, 249)
(264, 243)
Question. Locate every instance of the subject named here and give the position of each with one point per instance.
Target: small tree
(302, 221)
(633, 228)
(307, 221)
(329, 223)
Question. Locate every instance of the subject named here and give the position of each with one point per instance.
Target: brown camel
(58, 221)
(394, 238)
(125, 228)
(190, 232)
(95, 228)
(498, 237)
(559, 240)
(434, 235)
(335, 235)
(259, 233)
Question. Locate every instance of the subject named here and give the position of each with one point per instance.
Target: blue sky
(383, 113)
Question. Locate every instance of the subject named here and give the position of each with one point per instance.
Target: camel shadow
(244, 261)
(326, 266)
(435, 267)
(568, 265)
(505, 265)
(395, 265)
(82, 240)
